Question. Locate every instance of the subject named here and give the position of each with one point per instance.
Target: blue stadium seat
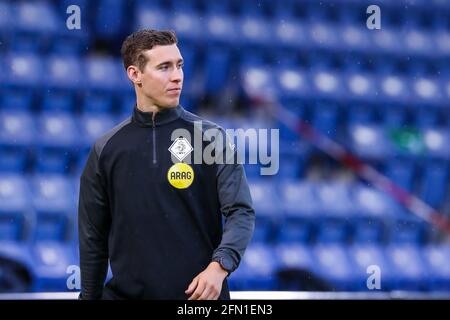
(433, 188)
(325, 119)
(299, 199)
(54, 203)
(2, 65)
(221, 28)
(327, 84)
(16, 99)
(254, 9)
(427, 91)
(401, 172)
(296, 268)
(417, 41)
(441, 37)
(394, 117)
(93, 126)
(190, 6)
(360, 114)
(436, 142)
(62, 82)
(111, 21)
(286, 59)
(64, 72)
(437, 259)
(15, 213)
(331, 230)
(96, 102)
(352, 36)
(334, 265)
(101, 94)
(394, 88)
(57, 129)
(127, 103)
(426, 118)
(24, 70)
(292, 83)
(291, 33)
(151, 16)
(360, 86)
(387, 41)
(6, 18)
(368, 230)
(187, 22)
(217, 66)
(34, 24)
(102, 73)
(58, 101)
(17, 134)
(58, 140)
(291, 166)
(13, 159)
(323, 35)
(257, 80)
(295, 231)
(51, 266)
(254, 31)
(334, 199)
(265, 233)
(35, 17)
(409, 230)
(374, 203)
(295, 256)
(336, 208)
(368, 259)
(252, 57)
(283, 10)
(265, 200)
(221, 7)
(408, 267)
(369, 141)
(257, 270)
(290, 140)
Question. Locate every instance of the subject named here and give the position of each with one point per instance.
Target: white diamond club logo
(180, 148)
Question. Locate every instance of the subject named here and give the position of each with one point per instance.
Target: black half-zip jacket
(156, 237)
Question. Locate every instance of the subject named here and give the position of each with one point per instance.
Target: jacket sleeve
(93, 229)
(237, 208)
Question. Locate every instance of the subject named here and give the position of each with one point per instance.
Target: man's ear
(134, 74)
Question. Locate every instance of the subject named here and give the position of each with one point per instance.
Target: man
(159, 221)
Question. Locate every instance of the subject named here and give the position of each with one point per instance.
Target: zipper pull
(154, 138)
(153, 119)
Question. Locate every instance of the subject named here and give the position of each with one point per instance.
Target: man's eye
(163, 67)
(180, 66)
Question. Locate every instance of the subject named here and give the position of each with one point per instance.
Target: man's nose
(177, 75)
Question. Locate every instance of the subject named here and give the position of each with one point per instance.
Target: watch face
(226, 264)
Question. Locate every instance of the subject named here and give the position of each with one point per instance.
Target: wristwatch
(225, 263)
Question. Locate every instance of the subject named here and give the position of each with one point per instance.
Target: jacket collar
(145, 119)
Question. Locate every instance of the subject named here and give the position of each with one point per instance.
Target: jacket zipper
(154, 139)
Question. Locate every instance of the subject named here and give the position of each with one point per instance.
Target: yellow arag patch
(180, 175)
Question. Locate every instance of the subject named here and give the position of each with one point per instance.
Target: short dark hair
(139, 41)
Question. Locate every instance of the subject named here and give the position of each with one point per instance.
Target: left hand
(207, 285)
